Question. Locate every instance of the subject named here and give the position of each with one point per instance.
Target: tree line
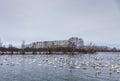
(11, 50)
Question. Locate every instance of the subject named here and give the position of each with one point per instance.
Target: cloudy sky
(96, 21)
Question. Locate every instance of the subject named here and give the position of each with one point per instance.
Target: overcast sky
(96, 21)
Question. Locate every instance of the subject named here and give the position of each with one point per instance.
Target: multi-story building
(71, 42)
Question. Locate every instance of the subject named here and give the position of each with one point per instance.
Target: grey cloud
(34, 20)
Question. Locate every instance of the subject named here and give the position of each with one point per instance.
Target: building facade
(71, 42)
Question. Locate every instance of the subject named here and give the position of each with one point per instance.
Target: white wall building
(73, 41)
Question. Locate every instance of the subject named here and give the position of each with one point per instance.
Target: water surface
(81, 67)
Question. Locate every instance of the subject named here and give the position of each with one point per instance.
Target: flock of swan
(97, 64)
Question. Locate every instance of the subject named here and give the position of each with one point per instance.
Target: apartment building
(73, 41)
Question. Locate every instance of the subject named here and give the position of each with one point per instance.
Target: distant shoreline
(50, 51)
(55, 53)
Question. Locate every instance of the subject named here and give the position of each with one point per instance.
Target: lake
(102, 66)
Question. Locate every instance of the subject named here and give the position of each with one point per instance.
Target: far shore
(51, 53)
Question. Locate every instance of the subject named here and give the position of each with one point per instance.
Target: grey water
(79, 67)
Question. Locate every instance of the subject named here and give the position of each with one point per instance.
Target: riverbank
(60, 51)
(44, 53)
